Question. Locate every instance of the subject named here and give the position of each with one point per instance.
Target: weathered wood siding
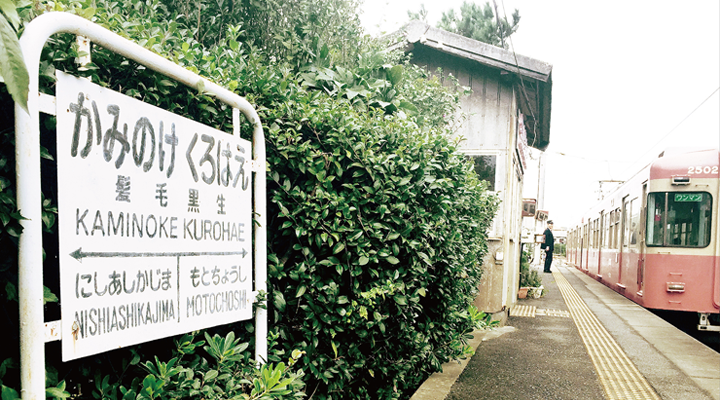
(490, 110)
(489, 128)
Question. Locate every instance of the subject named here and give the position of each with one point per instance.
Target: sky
(630, 79)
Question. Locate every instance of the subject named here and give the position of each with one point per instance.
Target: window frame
(666, 232)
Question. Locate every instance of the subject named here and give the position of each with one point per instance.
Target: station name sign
(154, 216)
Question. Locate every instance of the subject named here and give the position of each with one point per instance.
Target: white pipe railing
(27, 153)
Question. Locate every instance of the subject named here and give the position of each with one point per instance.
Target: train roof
(699, 163)
(673, 162)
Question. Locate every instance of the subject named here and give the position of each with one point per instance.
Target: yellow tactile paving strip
(521, 310)
(553, 313)
(618, 375)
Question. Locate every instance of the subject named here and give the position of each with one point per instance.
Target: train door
(631, 241)
(601, 240)
(716, 288)
(624, 237)
(581, 242)
(641, 244)
(585, 248)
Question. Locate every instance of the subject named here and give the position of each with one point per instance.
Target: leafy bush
(222, 370)
(528, 278)
(228, 373)
(379, 235)
(376, 229)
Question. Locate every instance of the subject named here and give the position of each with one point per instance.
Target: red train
(656, 239)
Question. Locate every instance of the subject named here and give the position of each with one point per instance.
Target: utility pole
(540, 201)
(600, 191)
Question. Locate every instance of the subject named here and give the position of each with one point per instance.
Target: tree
(480, 23)
(420, 15)
(294, 31)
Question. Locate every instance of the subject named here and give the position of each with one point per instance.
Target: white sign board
(154, 215)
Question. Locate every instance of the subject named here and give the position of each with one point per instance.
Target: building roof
(534, 83)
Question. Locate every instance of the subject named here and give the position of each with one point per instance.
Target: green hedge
(376, 224)
(378, 234)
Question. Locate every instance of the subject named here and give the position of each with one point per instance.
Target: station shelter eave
(533, 81)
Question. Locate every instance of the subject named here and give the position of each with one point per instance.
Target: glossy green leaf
(12, 65)
(395, 74)
(338, 247)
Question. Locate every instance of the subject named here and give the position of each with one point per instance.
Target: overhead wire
(676, 126)
(598, 160)
(633, 163)
(517, 64)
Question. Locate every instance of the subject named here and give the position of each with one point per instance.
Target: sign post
(155, 216)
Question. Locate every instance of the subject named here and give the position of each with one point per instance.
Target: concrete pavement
(545, 356)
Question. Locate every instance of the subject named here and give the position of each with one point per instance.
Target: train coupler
(705, 325)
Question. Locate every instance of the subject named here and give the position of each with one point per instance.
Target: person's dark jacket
(549, 240)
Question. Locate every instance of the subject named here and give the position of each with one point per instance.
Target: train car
(656, 239)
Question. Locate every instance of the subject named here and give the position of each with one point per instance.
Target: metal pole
(30, 263)
(27, 153)
(540, 201)
(260, 206)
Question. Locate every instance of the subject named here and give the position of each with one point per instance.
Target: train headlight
(680, 180)
(676, 287)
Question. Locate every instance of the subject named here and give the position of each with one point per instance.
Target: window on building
(486, 168)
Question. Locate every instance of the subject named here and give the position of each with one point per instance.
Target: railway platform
(580, 341)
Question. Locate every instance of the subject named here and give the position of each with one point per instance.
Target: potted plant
(528, 279)
(522, 292)
(536, 292)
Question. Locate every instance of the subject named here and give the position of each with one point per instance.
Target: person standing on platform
(548, 245)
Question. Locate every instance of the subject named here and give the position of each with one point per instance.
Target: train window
(608, 223)
(679, 219)
(634, 222)
(604, 231)
(595, 233)
(626, 213)
(617, 228)
(656, 210)
(611, 225)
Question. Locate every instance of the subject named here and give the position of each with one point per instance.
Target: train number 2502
(703, 170)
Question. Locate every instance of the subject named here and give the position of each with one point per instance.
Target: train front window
(679, 219)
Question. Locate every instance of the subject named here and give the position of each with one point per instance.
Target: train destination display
(155, 224)
(688, 197)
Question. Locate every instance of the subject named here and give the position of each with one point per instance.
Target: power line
(676, 126)
(632, 163)
(598, 160)
(517, 64)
